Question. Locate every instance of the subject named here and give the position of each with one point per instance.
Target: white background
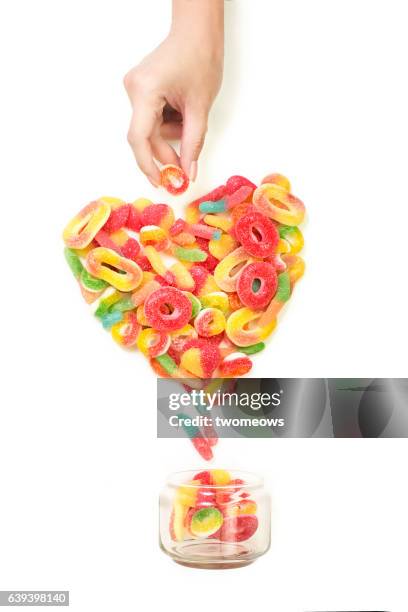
(316, 90)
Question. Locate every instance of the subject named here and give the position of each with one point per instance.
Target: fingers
(144, 124)
(163, 151)
(171, 131)
(192, 141)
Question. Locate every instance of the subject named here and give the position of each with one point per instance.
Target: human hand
(171, 92)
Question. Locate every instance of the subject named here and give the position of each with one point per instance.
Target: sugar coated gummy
(257, 284)
(257, 234)
(174, 179)
(167, 309)
(198, 295)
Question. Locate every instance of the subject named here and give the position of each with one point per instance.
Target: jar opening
(186, 478)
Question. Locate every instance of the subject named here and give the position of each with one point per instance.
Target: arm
(172, 90)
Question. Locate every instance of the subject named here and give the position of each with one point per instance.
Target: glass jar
(214, 519)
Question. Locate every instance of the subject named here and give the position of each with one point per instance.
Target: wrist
(199, 23)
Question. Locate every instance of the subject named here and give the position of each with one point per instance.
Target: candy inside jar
(214, 519)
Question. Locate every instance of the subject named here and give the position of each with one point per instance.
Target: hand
(171, 92)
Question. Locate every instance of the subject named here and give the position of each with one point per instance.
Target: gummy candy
(253, 348)
(126, 331)
(238, 332)
(206, 522)
(234, 365)
(174, 179)
(257, 234)
(209, 322)
(155, 236)
(213, 207)
(238, 528)
(190, 254)
(158, 214)
(216, 299)
(156, 309)
(204, 231)
(200, 358)
(153, 343)
(118, 216)
(81, 230)
(257, 297)
(228, 270)
(275, 202)
(121, 273)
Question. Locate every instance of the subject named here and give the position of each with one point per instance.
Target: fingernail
(153, 182)
(193, 171)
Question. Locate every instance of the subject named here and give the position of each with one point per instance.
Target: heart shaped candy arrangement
(198, 296)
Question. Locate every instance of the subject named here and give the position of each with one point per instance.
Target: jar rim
(182, 478)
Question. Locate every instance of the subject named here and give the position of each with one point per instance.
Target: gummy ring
(123, 274)
(257, 234)
(275, 202)
(263, 274)
(292, 237)
(126, 332)
(174, 179)
(181, 336)
(206, 522)
(167, 309)
(277, 179)
(82, 229)
(152, 342)
(216, 299)
(239, 332)
(209, 322)
(227, 272)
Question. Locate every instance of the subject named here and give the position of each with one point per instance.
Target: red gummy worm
(202, 446)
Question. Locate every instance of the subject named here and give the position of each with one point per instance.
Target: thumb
(192, 140)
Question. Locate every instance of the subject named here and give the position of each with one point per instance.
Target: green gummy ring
(92, 283)
(190, 254)
(251, 350)
(283, 292)
(167, 363)
(74, 262)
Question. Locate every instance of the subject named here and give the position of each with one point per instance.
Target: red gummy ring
(174, 179)
(260, 272)
(257, 234)
(167, 309)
